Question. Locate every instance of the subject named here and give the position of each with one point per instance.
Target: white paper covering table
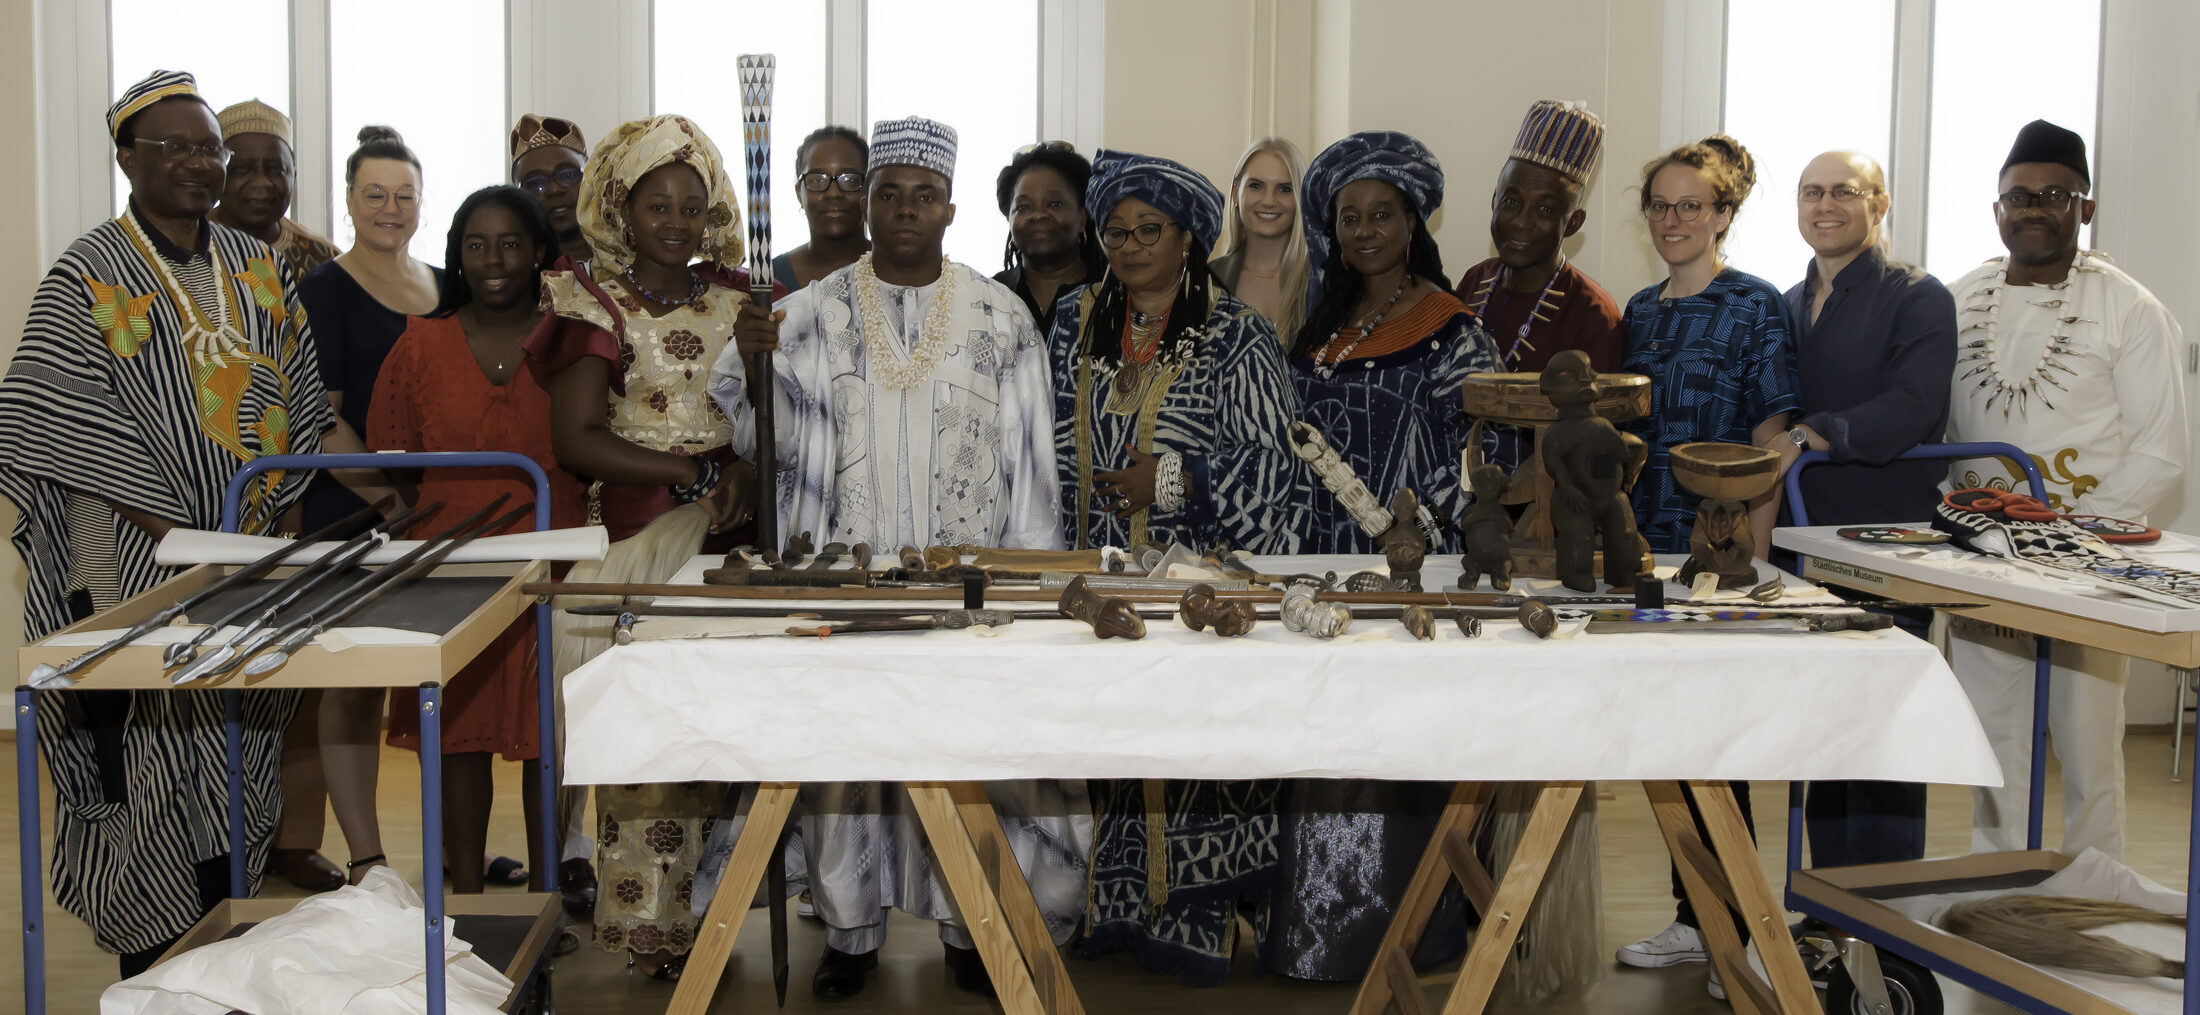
(1047, 700)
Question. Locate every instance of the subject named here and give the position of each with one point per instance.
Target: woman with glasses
(547, 153)
(1170, 412)
(1053, 246)
(1721, 361)
(829, 185)
(1171, 402)
(1262, 258)
(358, 304)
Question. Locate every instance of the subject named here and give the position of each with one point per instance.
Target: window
(1801, 100)
(1978, 106)
(693, 75)
(149, 35)
(453, 118)
(986, 87)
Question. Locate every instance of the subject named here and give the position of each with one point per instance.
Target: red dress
(433, 396)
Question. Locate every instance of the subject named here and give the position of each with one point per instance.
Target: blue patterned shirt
(1719, 362)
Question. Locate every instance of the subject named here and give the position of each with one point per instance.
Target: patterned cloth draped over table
(1720, 362)
(1225, 408)
(433, 396)
(1394, 414)
(146, 376)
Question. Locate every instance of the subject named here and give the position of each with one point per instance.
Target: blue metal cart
(431, 739)
(1880, 969)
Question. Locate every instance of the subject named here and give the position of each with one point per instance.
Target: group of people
(1128, 377)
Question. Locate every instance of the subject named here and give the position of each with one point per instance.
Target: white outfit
(966, 455)
(2083, 376)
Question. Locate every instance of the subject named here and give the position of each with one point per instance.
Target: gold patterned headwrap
(631, 152)
(535, 130)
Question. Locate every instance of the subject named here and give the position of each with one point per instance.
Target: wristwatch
(1800, 436)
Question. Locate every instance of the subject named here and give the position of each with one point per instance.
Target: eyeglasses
(1687, 210)
(172, 150)
(816, 183)
(1147, 235)
(1843, 194)
(2054, 199)
(565, 176)
(377, 198)
(1049, 146)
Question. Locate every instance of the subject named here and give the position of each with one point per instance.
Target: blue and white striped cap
(914, 141)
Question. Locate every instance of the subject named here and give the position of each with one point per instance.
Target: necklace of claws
(1979, 351)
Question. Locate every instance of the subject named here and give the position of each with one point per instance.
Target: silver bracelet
(1168, 483)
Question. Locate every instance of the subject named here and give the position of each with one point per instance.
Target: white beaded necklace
(885, 364)
(2016, 395)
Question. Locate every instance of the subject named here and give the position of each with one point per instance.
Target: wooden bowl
(1518, 398)
(1725, 471)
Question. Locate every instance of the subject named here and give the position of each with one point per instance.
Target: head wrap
(914, 141)
(537, 131)
(1386, 155)
(2041, 141)
(1564, 136)
(1181, 192)
(253, 117)
(631, 152)
(161, 84)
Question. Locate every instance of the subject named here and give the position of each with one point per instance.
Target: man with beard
(2062, 354)
(256, 197)
(547, 155)
(1875, 340)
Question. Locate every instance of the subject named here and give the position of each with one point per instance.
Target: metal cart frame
(1862, 964)
(431, 739)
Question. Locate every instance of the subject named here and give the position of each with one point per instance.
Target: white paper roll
(197, 546)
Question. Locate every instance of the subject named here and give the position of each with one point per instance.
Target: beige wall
(20, 266)
(1458, 76)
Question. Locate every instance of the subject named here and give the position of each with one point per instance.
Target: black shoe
(840, 975)
(577, 883)
(969, 970)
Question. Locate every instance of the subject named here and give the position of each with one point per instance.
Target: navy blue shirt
(1720, 362)
(1875, 370)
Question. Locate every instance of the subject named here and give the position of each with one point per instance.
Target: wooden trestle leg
(1723, 879)
(752, 850)
(1502, 905)
(993, 899)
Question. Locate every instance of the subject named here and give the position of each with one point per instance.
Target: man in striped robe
(163, 352)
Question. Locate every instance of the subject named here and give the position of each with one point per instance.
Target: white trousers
(2085, 726)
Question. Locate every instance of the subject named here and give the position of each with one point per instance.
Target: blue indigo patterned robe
(1397, 420)
(1719, 362)
(1225, 409)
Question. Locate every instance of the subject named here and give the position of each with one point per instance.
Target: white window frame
(545, 41)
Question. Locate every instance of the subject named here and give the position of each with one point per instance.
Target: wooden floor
(911, 978)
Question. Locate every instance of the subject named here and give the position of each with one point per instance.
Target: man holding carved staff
(913, 406)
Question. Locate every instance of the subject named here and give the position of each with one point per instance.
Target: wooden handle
(762, 387)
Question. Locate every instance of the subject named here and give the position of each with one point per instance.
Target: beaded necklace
(1547, 301)
(885, 364)
(1367, 327)
(696, 287)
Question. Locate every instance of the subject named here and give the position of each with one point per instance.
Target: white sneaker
(1715, 986)
(1676, 944)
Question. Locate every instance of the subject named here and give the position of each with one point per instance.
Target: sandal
(668, 971)
(353, 867)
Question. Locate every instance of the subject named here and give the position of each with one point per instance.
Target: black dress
(352, 333)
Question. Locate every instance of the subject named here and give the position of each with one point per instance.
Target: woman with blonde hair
(1262, 257)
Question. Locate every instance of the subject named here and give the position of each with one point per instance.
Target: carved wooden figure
(1727, 477)
(1405, 547)
(1487, 529)
(1589, 462)
(1109, 617)
(1200, 610)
